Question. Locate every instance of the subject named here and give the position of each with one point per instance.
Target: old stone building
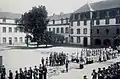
(96, 24)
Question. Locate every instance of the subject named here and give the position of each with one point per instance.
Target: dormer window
(53, 21)
(98, 14)
(66, 20)
(118, 13)
(62, 21)
(107, 14)
(107, 21)
(4, 19)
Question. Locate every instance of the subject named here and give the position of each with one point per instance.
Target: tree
(35, 22)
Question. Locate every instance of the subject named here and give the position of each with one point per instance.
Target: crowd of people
(97, 54)
(112, 72)
(54, 59)
(36, 73)
(58, 59)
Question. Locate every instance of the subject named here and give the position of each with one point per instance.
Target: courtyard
(13, 59)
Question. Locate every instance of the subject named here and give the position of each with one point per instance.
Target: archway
(116, 42)
(97, 42)
(107, 42)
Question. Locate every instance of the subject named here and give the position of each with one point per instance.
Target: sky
(52, 6)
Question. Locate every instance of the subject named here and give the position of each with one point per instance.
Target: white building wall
(82, 35)
(112, 21)
(12, 34)
(60, 26)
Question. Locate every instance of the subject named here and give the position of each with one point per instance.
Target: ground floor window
(78, 39)
(107, 42)
(15, 39)
(97, 42)
(21, 39)
(72, 39)
(4, 40)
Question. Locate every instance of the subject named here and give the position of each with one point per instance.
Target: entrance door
(85, 41)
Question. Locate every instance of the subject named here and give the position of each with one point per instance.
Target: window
(4, 29)
(107, 21)
(15, 29)
(53, 21)
(72, 39)
(97, 22)
(62, 30)
(21, 29)
(107, 31)
(4, 40)
(92, 22)
(10, 29)
(91, 30)
(61, 21)
(4, 19)
(21, 39)
(98, 31)
(71, 23)
(117, 31)
(78, 31)
(53, 30)
(49, 29)
(15, 39)
(67, 20)
(71, 31)
(78, 39)
(57, 30)
(85, 22)
(85, 31)
(117, 20)
(66, 30)
(98, 14)
(97, 42)
(78, 23)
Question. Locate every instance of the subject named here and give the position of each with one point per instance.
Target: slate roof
(101, 5)
(9, 15)
(59, 17)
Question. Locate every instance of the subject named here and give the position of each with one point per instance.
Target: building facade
(59, 24)
(96, 24)
(9, 31)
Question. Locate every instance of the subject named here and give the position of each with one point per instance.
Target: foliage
(35, 22)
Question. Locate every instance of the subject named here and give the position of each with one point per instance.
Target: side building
(9, 31)
(96, 24)
(59, 24)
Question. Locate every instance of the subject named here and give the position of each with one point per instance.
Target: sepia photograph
(59, 39)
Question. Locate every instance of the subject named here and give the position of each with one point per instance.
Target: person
(35, 74)
(100, 75)
(25, 73)
(4, 70)
(2, 75)
(21, 73)
(66, 65)
(16, 74)
(40, 72)
(44, 72)
(10, 75)
(94, 74)
(42, 60)
(47, 61)
(30, 72)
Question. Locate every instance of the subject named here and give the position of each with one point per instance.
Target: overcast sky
(53, 6)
